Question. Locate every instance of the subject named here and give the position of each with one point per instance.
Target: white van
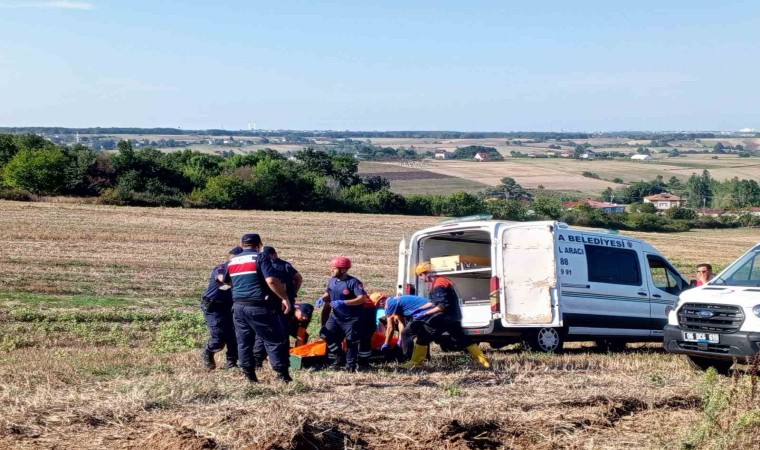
(544, 283)
(719, 322)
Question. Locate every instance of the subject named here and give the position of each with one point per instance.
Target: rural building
(481, 156)
(588, 154)
(642, 158)
(711, 212)
(665, 201)
(610, 208)
(442, 154)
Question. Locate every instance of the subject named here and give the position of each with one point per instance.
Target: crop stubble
(83, 387)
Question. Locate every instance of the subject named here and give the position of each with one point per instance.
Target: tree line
(316, 180)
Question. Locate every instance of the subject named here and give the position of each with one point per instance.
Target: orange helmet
(376, 297)
(423, 267)
(340, 262)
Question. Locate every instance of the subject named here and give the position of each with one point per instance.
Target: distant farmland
(562, 174)
(409, 180)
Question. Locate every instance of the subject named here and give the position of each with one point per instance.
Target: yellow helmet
(423, 267)
(377, 296)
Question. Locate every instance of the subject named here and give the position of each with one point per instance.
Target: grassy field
(100, 337)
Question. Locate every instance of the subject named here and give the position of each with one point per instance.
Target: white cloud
(59, 4)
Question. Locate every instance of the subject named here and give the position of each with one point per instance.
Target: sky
(382, 65)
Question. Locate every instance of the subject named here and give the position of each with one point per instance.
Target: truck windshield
(744, 272)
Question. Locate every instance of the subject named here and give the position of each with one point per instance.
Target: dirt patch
(325, 435)
(478, 435)
(178, 438)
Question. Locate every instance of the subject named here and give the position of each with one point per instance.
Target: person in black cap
(298, 326)
(258, 296)
(292, 280)
(217, 308)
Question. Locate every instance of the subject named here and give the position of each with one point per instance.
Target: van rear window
(613, 265)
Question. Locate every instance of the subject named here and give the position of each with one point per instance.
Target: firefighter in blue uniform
(345, 296)
(258, 296)
(292, 280)
(217, 308)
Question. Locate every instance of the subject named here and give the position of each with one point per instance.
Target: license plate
(709, 338)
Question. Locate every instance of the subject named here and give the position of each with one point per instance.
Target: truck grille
(724, 318)
(712, 348)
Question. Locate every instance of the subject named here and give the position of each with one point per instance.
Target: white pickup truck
(719, 323)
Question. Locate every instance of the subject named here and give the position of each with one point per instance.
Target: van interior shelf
(480, 272)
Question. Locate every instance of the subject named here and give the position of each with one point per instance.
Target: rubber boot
(250, 374)
(418, 357)
(208, 360)
(477, 355)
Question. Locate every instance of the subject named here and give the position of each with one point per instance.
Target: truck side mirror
(692, 283)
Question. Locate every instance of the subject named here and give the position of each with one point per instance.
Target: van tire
(722, 366)
(549, 340)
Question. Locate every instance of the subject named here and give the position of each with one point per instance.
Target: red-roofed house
(665, 201)
(610, 208)
(481, 156)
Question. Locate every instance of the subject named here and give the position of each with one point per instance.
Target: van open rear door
(403, 271)
(529, 296)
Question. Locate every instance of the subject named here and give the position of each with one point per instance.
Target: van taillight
(409, 289)
(494, 295)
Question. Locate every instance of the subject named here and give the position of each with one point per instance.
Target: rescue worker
(292, 280)
(216, 304)
(299, 323)
(368, 326)
(399, 312)
(440, 315)
(345, 296)
(258, 296)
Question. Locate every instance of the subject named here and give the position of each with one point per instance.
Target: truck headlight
(756, 310)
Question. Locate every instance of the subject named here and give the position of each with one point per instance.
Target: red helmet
(340, 262)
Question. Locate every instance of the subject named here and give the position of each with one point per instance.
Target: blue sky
(381, 65)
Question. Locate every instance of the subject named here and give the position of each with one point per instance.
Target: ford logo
(705, 314)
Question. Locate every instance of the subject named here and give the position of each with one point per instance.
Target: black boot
(231, 364)
(250, 374)
(208, 360)
(284, 376)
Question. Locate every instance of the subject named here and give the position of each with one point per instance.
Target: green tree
(40, 171)
(8, 148)
(699, 190)
(548, 208)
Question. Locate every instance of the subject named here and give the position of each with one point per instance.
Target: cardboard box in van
(459, 262)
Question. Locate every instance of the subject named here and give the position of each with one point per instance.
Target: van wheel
(700, 363)
(548, 340)
(611, 345)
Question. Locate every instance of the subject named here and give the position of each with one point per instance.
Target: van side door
(665, 284)
(617, 294)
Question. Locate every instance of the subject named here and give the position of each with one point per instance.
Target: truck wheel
(547, 339)
(723, 367)
(611, 345)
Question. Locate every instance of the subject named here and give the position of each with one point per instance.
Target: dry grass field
(100, 337)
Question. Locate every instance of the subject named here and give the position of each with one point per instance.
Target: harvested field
(566, 175)
(99, 348)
